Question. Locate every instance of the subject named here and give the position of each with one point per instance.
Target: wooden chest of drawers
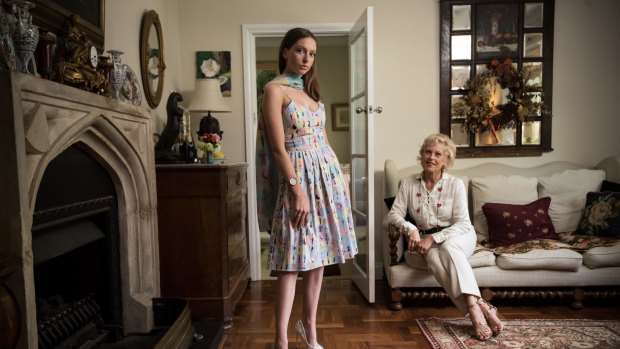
(203, 242)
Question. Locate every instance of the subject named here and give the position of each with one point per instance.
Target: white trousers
(448, 263)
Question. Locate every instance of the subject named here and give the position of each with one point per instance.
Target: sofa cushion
(567, 191)
(610, 186)
(516, 190)
(601, 257)
(510, 224)
(601, 215)
(482, 257)
(560, 259)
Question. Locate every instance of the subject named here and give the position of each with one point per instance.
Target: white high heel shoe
(299, 328)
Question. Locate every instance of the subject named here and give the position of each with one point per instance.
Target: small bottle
(187, 149)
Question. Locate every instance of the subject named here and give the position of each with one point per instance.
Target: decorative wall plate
(130, 92)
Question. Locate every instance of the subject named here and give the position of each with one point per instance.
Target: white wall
(586, 119)
(122, 32)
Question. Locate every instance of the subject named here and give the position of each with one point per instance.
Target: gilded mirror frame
(152, 59)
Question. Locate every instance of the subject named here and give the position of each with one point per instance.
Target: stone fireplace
(39, 120)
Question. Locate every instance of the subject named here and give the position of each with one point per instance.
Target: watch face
(292, 181)
(94, 58)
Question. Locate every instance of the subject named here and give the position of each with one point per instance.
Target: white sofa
(539, 276)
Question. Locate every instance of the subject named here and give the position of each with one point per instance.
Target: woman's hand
(300, 209)
(413, 238)
(425, 244)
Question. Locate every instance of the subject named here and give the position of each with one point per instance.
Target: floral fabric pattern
(586, 242)
(329, 236)
(529, 245)
(558, 333)
(601, 215)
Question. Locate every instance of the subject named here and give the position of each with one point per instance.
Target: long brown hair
(311, 82)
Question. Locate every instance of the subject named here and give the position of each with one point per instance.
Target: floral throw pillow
(601, 217)
(509, 224)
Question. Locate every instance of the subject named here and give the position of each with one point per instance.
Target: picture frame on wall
(215, 64)
(340, 117)
(52, 14)
(497, 30)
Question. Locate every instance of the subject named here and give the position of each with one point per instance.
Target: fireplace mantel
(39, 119)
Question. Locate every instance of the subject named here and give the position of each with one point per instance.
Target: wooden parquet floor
(346, 321)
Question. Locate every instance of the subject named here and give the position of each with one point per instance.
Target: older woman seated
(443, 233)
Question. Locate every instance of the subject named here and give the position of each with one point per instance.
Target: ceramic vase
(118, 73)
(25, 34)
(209, 157)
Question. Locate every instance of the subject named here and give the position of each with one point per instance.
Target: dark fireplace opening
(75, 241)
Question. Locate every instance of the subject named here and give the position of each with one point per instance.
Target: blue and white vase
(25, 34)
(118, 74)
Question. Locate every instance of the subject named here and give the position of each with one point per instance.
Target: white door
(362, 111)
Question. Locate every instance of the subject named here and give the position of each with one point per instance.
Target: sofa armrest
(611, 166)
(395, 239)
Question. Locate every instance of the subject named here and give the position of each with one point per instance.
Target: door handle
(377, 110)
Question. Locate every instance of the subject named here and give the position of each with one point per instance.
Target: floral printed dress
(329, 236)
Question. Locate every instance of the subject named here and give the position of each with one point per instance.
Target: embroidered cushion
(601, 215)
(509, 224)
(567, 191)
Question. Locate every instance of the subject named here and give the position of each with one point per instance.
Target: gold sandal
(482, 330)
(490, 309)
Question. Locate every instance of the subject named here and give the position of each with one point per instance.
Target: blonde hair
(449, 147)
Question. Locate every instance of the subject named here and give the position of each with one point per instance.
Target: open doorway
(260, 61)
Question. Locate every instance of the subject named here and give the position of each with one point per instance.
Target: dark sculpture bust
(163, 149)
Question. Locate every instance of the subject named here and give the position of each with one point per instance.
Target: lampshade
(208, 97)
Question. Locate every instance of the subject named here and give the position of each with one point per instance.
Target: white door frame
(250, 32)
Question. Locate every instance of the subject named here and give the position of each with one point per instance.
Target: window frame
(446, 91)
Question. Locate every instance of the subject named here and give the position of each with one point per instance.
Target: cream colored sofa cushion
(480, 258)
(516, 190)
(567, 191)
(600, 257)
(560, 259)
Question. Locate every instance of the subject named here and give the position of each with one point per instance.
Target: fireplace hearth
(101, 232)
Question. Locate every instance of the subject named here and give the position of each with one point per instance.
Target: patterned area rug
(549, 334)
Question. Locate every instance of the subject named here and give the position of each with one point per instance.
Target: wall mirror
(152, 58)
(496, 76)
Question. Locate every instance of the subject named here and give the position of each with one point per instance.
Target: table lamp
(208, 98)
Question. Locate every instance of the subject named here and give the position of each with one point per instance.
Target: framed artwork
(497, 30)
(340, 117)
(215, 64)
(51, 15)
